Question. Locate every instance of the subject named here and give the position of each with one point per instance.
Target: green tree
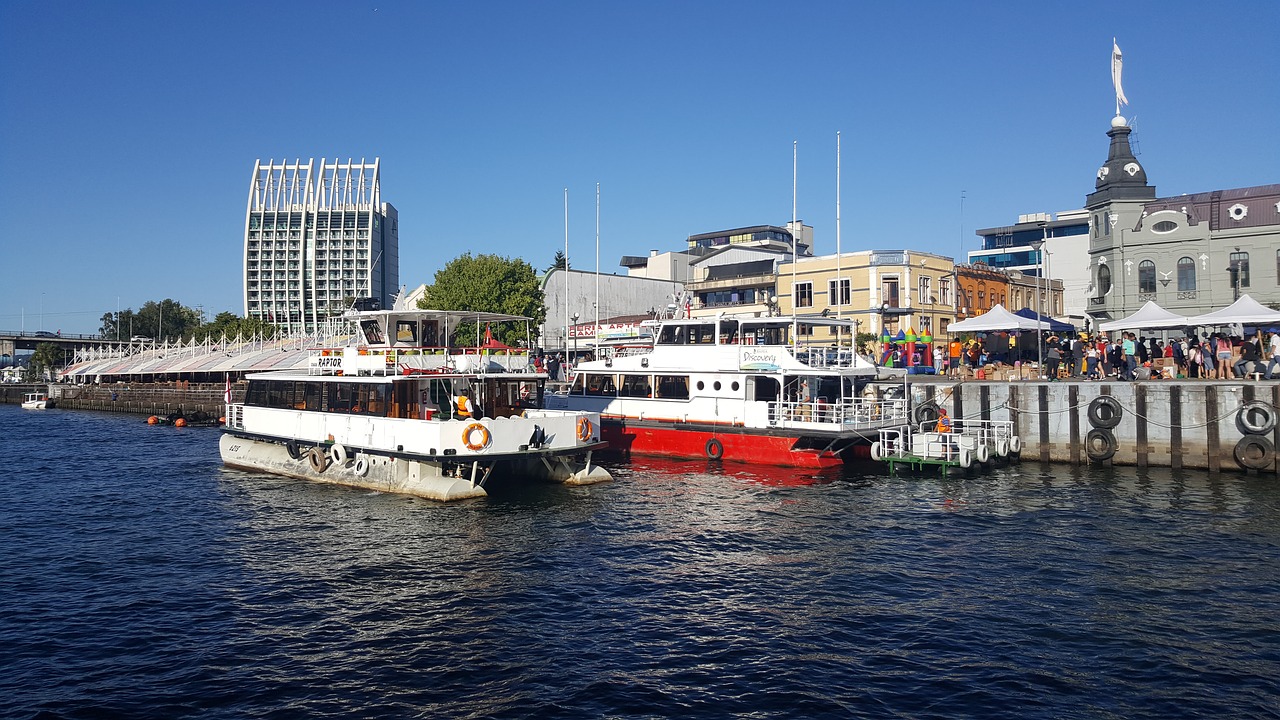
(46, 357)
(231, 325)
(559, 262)
(488, 283)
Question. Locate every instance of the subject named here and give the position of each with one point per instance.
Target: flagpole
(566, 272)
(839, 280)
(795, 240)
(597, 263)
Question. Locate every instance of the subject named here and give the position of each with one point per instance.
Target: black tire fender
(1105, 412)
(714, 449)
(1255, 452)
(925, 412)
(1100, 444)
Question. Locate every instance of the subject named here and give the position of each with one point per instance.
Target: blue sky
(128, 130)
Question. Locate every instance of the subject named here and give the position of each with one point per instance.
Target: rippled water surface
(141, 580)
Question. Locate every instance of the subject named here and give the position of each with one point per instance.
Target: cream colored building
(877, 289)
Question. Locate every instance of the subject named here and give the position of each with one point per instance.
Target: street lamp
(574, 357)
(1037, 245)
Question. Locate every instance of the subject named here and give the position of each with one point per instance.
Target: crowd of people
(1094, 357)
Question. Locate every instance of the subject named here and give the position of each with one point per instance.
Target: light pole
(574, 357)
(1037, 245)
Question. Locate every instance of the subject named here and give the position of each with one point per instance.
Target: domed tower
(1121, 177)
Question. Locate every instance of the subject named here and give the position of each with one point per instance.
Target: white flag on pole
(1117, 63)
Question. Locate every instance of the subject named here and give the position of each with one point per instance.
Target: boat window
(577, 385)
(702, 335)
(670, 336)
(280, 394)
(407, 332)
(372, 332)
(728, 332)
(673, 387)
(429, 333)
(256, 395)
(765, 387)
(600, 385)
(635, 386)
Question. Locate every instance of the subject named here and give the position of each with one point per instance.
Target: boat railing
(362, 360)
(816, 357)
(848, 414)
(235, 416)
(992, 433)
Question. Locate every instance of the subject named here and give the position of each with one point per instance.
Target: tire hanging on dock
(714, 449)
(291, 447)
(925, 412)
(1255, 452)
(1100, 444)
(1105, 412)
(1256, 418)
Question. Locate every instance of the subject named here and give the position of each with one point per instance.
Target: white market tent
(1245, 311)
(995, 320)
(1149, 317)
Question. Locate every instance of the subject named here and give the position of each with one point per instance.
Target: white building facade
(317, 236)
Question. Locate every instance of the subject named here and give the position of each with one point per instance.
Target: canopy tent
(1054, 325)
(1245, 311)
(996, 319)
(1149, 317)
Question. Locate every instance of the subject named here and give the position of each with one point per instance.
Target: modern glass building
(317, 236)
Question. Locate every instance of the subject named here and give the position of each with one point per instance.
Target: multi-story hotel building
(317, 236)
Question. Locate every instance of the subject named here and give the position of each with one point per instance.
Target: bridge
(13, 340)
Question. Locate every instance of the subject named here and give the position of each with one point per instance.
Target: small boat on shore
(749, 389)
(35, 401)
(398, 409)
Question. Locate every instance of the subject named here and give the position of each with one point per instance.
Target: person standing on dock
(1274, 353)
(1130, 357)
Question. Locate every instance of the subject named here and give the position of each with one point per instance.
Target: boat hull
(442, 480)
(734, 444)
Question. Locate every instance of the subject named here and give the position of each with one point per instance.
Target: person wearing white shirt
(1275, 353)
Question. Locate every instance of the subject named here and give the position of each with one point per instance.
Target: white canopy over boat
(1245, 311)
(1149, 317)
(996, 319)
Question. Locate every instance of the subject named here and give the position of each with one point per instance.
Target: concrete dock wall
(1177, 424)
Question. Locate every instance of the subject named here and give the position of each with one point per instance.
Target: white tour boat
(737, 388)
(382, 413)
(35, 401)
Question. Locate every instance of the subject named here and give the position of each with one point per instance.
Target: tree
(231, 325)
(46, 357)
(488, 283)
(559, 262)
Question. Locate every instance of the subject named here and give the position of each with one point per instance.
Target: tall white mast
(597, 263)
(839, 281)
(566, 271)
(795, 240)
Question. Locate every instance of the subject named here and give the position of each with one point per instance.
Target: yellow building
(877, 289)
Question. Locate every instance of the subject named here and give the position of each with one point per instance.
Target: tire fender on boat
(1256, 418)
(318, 458)
(468, 437)
(1002, 447)
(981, 453)
(338, 454)
(1015, 444)
(1255, 452)
(1100, 444)
(714, 449)
(361, 465)
(291, 447)
(966, 458)
(877, 451)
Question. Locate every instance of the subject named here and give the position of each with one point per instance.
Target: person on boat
(464, 408)
(944, 421)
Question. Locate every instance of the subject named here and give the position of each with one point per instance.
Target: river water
(140, 579)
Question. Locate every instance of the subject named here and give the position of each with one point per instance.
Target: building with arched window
(1191, 254)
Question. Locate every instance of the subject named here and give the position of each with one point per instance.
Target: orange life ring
(584, 429)
(484, 437)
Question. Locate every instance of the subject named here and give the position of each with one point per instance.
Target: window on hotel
(1186, 274)
(803, 294)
